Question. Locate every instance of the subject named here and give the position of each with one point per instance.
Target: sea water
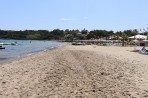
(24, 48)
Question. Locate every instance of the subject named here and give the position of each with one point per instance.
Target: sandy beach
(77, 72)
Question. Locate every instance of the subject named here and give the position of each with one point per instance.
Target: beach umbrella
(145, 40)
(138, 37)
(135, 41)
(132, 37)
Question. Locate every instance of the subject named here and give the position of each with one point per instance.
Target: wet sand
(77, 72)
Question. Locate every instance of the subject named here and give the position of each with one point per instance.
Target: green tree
(124, 38)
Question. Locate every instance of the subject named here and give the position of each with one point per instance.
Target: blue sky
(113, 15)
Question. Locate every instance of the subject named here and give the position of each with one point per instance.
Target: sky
(116, 15)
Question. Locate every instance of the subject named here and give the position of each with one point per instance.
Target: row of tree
(67, 34)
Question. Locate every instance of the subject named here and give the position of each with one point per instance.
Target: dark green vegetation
(67, 35)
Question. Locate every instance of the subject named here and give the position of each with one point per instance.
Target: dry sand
(77, 72)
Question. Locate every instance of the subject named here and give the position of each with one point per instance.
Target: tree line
(67, 35)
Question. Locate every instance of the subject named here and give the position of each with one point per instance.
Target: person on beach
(143, 49)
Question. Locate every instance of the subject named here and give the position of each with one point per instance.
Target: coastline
(76, 71)
(20, 56)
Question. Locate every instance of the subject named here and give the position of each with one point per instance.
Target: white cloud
(66, 19)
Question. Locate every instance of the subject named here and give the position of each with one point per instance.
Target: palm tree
(124, 38)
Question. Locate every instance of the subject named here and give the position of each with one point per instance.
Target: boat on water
(1, 43)
(13, 43)
(8, 43)
(2, 47)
